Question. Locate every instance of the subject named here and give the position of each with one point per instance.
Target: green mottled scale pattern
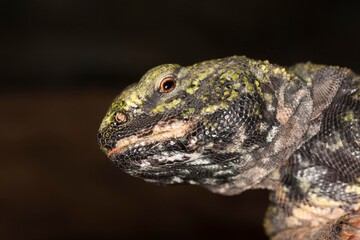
(234, 124)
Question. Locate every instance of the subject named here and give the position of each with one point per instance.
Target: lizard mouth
(161, 132)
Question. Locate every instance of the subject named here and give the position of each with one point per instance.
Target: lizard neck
(288, 102)
(294, 99)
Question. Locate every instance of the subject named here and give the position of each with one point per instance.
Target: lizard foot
(348, 227)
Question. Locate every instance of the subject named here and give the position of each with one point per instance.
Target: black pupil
(168, 84)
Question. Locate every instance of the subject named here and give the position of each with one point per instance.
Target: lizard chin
(177, 167)
(176, 163)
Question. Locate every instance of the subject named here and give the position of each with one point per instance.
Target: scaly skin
(234, 124)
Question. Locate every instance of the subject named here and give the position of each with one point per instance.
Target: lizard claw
(348, 227)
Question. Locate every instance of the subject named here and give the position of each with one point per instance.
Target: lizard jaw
(161, 132)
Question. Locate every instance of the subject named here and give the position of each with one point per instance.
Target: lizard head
(187, 124)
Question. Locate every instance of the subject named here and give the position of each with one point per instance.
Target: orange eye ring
(167, 85)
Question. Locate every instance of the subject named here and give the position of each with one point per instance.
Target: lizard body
(234, 124)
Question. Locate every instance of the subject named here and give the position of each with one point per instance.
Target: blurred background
(62, 63)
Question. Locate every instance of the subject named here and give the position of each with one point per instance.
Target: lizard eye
(167, 84)
(120, 117)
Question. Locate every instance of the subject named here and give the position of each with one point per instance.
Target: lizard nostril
(120, 117)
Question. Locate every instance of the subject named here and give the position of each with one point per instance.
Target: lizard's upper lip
(162, 131)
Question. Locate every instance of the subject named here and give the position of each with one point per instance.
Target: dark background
(62, 63)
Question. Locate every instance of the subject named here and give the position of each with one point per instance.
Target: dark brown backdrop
(62, 62)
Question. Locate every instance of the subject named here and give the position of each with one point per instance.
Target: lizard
(234, 124)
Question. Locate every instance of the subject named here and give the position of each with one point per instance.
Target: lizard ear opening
(167, 85)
